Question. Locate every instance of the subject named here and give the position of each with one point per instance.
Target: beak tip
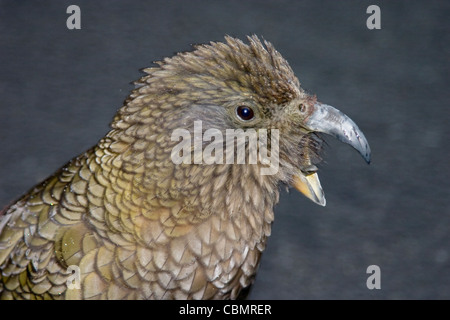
(368, 155)
(322, 203)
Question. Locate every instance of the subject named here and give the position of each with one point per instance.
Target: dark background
(60, 88)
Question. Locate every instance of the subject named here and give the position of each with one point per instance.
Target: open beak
(328, 120)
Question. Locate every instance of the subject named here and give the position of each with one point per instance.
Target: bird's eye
(302, 107)
(245, 113)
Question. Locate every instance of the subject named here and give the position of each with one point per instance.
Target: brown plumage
(139, 226)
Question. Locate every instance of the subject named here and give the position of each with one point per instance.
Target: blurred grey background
(60, 88)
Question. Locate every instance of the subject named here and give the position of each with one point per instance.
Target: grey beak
(331, 121)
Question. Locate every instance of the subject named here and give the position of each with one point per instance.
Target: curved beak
(329, 120)
(326, 119)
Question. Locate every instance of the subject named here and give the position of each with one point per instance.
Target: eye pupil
(245, 113)
(302, 107)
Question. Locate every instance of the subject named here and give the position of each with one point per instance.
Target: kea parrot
(124, 220)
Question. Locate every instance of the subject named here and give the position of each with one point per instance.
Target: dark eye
(302, 107)
(245, 113)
